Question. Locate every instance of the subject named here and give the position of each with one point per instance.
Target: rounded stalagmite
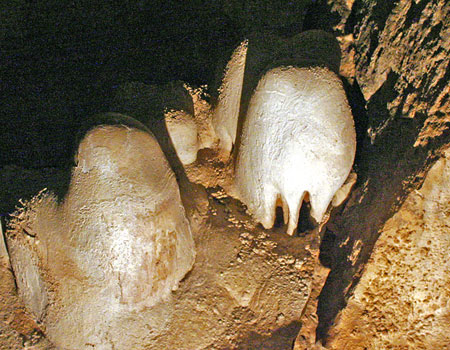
(118, 244)
(183, 133)
(298, 140)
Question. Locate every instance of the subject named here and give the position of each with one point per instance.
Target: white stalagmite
(117, 245)
(137, 226)
(226, 113)
(298, 140)
(183, 133)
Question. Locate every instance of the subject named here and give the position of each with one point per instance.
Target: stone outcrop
(254, 289)
(400, 52)
(104, 268)
(118, 244)
(402, 298)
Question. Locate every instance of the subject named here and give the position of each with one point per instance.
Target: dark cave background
(60, 61)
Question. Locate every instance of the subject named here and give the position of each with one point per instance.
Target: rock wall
(399, 53)
(402, 299)
(395, 61)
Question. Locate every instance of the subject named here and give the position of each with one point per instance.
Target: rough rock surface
(396, 64)
(408, 51)
(402, 298)
(225, 302)
(400, 53)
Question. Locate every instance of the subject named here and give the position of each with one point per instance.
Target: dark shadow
(18, 183)
(56, 70)
(319, 16)
(279, 218)
(305, 221)
(326, 256)
(358, 106)
(282, 339)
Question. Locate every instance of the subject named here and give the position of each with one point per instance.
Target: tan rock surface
(399, 97)
(247, 290)
(409, 50)
(402, 299)
(118, 244)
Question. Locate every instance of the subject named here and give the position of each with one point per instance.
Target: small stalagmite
(183, 133)
(226, 113)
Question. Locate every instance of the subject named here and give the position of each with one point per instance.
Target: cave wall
(399, 51)
(401, 301)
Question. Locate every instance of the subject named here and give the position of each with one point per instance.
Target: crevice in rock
(305, 221)
(414, 13)
(326, 256)
(358, 105)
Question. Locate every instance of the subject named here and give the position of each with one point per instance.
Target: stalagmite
(183, 133)
(226, 113)
(119, 243)
(298, 141)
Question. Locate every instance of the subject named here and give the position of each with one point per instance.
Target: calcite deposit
(104, 268)
(257, 54)
(226, 113)
(118, 243)
(298, 142)
(183, 133)
(249, 288)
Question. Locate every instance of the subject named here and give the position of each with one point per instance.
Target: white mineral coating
(116, 247)
(260, 52)
(226, 113)
(133, 223)
(183, 133)
(298, 139)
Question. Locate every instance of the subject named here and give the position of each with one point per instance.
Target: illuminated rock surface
(101, 269)
(402, 299)
(396, 69)
(183, 134)
(248, 63)
(226, 113)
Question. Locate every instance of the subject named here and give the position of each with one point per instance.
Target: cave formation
(374, 275)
